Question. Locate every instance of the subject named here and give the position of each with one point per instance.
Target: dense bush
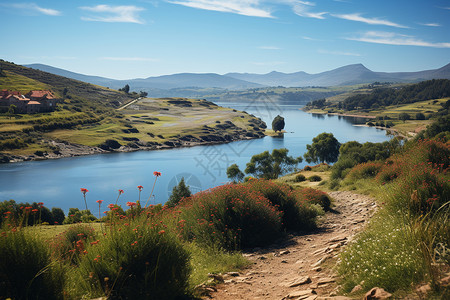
(299, 178)
(134, 261)
(297, 214)
(230, 217)
(24, 214)
(314, 196)
(315, 178)
(26, 268)
(365, 170)
(70, 244)
(77, 216)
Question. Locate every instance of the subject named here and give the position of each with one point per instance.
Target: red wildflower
(157, 174)
(121, 191)
(111, 206)
(84, 191)
(162, 232)
(41, 204)
(35, 210)
(140, 187)
(99, 201)
(131, 204)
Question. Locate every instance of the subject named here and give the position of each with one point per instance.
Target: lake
(57, 183)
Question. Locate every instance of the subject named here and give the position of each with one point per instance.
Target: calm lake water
(57, 183)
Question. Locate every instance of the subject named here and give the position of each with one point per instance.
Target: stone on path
(300, 294)
(297, 282)
(377, 294)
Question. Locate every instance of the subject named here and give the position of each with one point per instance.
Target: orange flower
(157, 174)
(99, 201)
(84, 191)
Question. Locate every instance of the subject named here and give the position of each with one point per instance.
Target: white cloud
(242, 7)
(108, 13)
(391, 38)
(269, 48)
(338, 53)
(303, 9)
(33, 8)
(130, 59)
(372, 21)
(431, 24)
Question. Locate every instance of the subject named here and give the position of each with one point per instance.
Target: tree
(234, 173)
(278, 123)
(420, 116)
(143, 94)
(325, 148)
(404, 117)
(11, 111)
(125, 89)
(58, 215)
(178, 192)
(270, 166)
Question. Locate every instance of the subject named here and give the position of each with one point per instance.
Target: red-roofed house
(32, 102)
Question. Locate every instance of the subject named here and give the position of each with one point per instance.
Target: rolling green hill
(88, 120)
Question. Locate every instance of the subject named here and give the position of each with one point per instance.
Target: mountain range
(347, 75)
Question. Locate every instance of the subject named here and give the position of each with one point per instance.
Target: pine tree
(179, 191)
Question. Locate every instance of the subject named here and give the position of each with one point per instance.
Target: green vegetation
(99, 117)
(266, 165)
(179, 192)
(155, 252)
(278, 123)
(325, 148)
(412, 225)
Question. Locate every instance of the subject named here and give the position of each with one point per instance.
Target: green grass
(23, 84)
(402, 245)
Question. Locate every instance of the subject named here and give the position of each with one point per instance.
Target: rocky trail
(299, 267)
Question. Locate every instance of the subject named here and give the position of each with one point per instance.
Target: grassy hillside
(89, 115)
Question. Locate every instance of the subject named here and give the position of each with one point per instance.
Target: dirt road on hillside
(300, 266)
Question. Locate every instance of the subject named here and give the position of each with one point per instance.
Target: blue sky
(139, 38)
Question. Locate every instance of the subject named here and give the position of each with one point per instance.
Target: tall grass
(134, 261)
(409, 238)
(26, 268)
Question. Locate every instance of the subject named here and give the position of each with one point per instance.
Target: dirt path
(300, 266)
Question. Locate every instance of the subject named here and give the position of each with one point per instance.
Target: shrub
(77, 216)
(299, 178)
(297, 215)
(229, 217)
(70, 244)
(26, 268)
(315, 197)
(315, 178)
(134, 261)
(364, 170)
(389, 172)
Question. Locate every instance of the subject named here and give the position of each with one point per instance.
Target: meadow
(154, 252)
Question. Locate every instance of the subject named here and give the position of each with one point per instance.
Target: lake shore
(67, 149)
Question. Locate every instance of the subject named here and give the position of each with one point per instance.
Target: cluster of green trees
(431, 89)
(10, 209)
(325, 148)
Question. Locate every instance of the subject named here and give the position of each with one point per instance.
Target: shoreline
(340, 114)
(67, 150)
